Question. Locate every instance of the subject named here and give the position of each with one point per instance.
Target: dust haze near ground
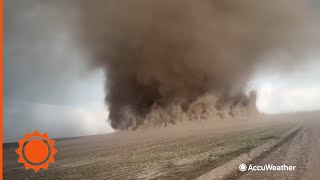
(170, 61)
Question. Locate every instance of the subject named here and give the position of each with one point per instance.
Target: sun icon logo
(36, 151)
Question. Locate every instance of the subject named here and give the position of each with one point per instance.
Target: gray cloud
(47, 86)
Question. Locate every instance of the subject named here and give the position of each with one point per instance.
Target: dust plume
(167, 61)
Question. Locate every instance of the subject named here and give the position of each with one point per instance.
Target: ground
(183, 152)
(301, 150)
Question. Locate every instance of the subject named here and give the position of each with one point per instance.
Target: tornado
(168, 61)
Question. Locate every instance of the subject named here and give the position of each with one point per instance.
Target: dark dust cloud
(168, 61)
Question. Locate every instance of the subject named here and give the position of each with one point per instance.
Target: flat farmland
(177, 152)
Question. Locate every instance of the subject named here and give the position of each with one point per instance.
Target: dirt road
(301, 150)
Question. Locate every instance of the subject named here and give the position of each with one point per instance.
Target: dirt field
(301, 150)
(167, 153)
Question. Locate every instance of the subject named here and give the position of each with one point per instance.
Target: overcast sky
(48, 88)
(46, 84)
(290, 91)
